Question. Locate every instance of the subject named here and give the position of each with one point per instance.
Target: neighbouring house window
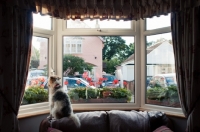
(36, 91)
(85, 78)
(72, 45)
(43, 22)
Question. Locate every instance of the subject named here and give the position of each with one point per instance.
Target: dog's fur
(60, 105)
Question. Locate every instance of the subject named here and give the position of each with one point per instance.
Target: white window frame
(170, 110)
(42, 108)
(63, 31)
(56, 35)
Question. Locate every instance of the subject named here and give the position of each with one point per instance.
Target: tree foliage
(110, 65)
(128, 51)
(116, 47)
(72, 64)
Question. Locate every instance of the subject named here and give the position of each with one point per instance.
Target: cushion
(128, 121)
(53, 130)
(163, 129)
(157, 119)
(96, 121)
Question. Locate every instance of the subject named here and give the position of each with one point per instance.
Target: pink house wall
(92, 53)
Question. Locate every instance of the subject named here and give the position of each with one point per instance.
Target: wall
(179, 124)
(31, 124)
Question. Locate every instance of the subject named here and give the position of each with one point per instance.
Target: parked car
(162, 80)
(148, 80)
(109, 81)
(34, 75)
(70, 83)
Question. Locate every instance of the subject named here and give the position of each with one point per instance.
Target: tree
(35, 56)
(116, 47)
(112, 46)
(110, 65)
(72, 64)
(128, 51)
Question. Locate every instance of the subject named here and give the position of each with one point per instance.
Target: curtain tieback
(4, 97)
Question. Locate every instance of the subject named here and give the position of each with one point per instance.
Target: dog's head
(54, 82)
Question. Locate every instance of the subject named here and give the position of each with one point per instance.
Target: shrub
(158, 93)
(35, 94)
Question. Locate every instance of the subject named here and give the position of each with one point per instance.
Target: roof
(132, 57)
(149, 50)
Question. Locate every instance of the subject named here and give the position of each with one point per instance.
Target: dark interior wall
(179, 123)
(31, 124)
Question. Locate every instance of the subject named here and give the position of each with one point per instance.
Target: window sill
(170, 111)
(43, 108)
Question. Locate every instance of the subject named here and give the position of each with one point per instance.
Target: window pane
(42, 21)
(36, 88)
(161, 75)
(99, 24)
(158, 22)
(107, 74)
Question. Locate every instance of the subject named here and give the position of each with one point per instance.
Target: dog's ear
(58, 78)
(52, 77)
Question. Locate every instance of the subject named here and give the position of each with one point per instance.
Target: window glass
(161, 75)
(101, 72)
(44, 22)
(99, 24)
(35, 90)
(158, 22)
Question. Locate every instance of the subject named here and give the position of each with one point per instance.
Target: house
(155, 63)
(89, 48)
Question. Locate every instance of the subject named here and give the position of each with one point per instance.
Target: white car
(162, 80)
(70, 83)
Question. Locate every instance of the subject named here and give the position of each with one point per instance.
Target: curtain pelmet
(111, 9)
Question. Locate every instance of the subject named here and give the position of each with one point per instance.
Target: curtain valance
(111, 9)
(103, 9)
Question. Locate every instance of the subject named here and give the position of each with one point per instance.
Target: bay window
(146, 53)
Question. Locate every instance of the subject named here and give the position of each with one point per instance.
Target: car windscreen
(110, 78)
(170, 80)
(73, 83)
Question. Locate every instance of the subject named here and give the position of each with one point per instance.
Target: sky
(152, 23)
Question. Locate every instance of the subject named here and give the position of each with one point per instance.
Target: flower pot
(106, 94)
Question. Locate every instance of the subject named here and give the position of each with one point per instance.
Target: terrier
(60, 105)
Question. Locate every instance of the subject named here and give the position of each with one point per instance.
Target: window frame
(139, 32)
(144, 106)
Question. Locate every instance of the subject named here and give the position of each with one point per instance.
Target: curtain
(186, 42)
(16, 28)
(111, 9)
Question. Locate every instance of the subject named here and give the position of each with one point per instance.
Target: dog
(60, 105)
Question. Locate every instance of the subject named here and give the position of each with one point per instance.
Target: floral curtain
(15, 48)
(111, 9)
(186, 42)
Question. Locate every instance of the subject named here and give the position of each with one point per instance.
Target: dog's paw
(49, 117)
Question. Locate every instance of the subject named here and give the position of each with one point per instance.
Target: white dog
(60, 105)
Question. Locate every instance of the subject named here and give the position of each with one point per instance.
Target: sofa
(111, 121)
